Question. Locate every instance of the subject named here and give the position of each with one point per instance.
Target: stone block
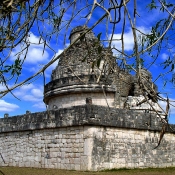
(77, 167)
(63, 140)
(53, 160)
(53, 154)
(72, 160)
(88, 146)
(62, 166)
(84, 160)
(77, 161)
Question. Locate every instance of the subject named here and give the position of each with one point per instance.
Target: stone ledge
(82, 115)
(86, 80)
(76, 88)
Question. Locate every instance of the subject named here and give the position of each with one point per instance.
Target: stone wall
(86, 137)
(79, 99)
(86, 148)
(62, 148)
(127, 148)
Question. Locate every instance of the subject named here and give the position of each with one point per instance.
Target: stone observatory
(85, 75)
(97, 116)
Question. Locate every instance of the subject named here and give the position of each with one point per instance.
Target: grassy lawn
(36, 171)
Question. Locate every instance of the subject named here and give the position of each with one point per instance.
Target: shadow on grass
(140, 169)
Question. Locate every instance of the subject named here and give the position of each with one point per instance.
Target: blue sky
(31, 94)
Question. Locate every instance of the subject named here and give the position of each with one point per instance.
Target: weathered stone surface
(82, 115)
(85, 137)
(105, 147)
(79, 99)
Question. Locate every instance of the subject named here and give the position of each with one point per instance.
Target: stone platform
(85, 137)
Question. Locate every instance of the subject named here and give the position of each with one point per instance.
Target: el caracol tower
(97, 117)
(86, 75)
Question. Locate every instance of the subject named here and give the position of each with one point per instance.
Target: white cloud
(7, 107)
(163, 104)
(128, 39)
(34, 39)
(48, 71)
(31, 92)
(36, 55)
(2, 88)
(30, 97)
(40, 105)
(37, 92)
(59, 52)
(21, 91)
(164, 56)
(53, 66)
(35, 52)
(27, 86)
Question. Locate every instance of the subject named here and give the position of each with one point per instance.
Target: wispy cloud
(35, 52)
(31, 92)
(2, 88)
(40, 105)
(7, 107)
(37, 92)
(163, 104)
(31, 98)
(171, 115)
(35, 68)
(128, 39)
(53, 66)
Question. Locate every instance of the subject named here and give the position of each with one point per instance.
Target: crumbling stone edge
(83, 115)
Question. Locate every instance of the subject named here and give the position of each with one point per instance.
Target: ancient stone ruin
(95, 120)
(77, 78)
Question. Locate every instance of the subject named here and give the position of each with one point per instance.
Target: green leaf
(152, 5)
(172, 67)
(99, 49)
(98, 62)
(99, 36)
(5, 70)
(169, 5)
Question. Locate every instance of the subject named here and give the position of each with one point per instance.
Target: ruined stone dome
(86, 72)
(146, 74)
(77, 31)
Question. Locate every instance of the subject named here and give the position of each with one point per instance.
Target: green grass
(144, 171)
(123, 171)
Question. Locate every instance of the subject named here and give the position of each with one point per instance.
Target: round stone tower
(86, 74)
